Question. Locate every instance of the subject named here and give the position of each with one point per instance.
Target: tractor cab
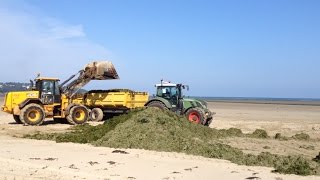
(171, 92)
(49, 90)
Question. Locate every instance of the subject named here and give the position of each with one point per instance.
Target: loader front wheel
(32, 114)
(78, 115)
(17, 119)
(96, 114)
(195, 115)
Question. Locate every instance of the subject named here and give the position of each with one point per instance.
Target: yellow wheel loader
(48, 99)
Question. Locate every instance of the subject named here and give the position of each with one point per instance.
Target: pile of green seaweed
(153, 129)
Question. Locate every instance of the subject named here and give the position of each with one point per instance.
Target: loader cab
(48, 89)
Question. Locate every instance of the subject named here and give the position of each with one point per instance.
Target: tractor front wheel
(208, 122)
(78, 115)
(32, 114)
(195, 115)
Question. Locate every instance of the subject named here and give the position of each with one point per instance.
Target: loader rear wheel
(17, 119)
(195, 115)
(157, 104)
(96, 114)
(32, 114)
(78, 115)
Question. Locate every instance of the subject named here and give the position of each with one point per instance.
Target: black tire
(96, 114)
(60, 120)
(195, 115)
(78, 115)
(32, 114)
(17, 119)
(157, 104)
(208, 122)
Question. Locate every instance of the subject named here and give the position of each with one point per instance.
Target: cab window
(173, 91)
(57, 89)
(167, 92)
(48, 87)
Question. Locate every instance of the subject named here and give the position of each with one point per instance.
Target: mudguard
(164, 101)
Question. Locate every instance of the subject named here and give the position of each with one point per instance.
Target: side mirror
(185, 87)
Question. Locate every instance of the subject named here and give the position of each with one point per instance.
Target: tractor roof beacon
(169, 96)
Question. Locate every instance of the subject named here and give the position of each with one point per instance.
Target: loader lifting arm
(101, 70)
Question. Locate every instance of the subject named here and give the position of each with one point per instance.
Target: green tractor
(169, 97)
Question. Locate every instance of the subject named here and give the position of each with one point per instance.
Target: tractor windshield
(168, 92)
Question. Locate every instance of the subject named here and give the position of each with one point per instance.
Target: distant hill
(13, 86)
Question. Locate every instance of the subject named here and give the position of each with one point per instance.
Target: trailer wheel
(195, 115)
(17, 119)
(78, 115)
(96, 114)
(32, 114)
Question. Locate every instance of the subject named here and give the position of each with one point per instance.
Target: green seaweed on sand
(153, 129)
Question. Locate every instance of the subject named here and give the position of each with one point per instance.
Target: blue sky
(220, 48)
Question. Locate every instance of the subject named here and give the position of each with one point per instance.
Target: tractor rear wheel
(96, 114)
(157, 104)
(17, 119)
(78, 115)
(32, 114)
(195, 115)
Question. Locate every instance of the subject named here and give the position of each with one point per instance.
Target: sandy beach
(277, 117)
(32, 159)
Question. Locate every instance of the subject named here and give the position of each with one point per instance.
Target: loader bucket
(101, 70)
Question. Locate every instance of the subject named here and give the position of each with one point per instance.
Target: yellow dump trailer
(112, 101)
